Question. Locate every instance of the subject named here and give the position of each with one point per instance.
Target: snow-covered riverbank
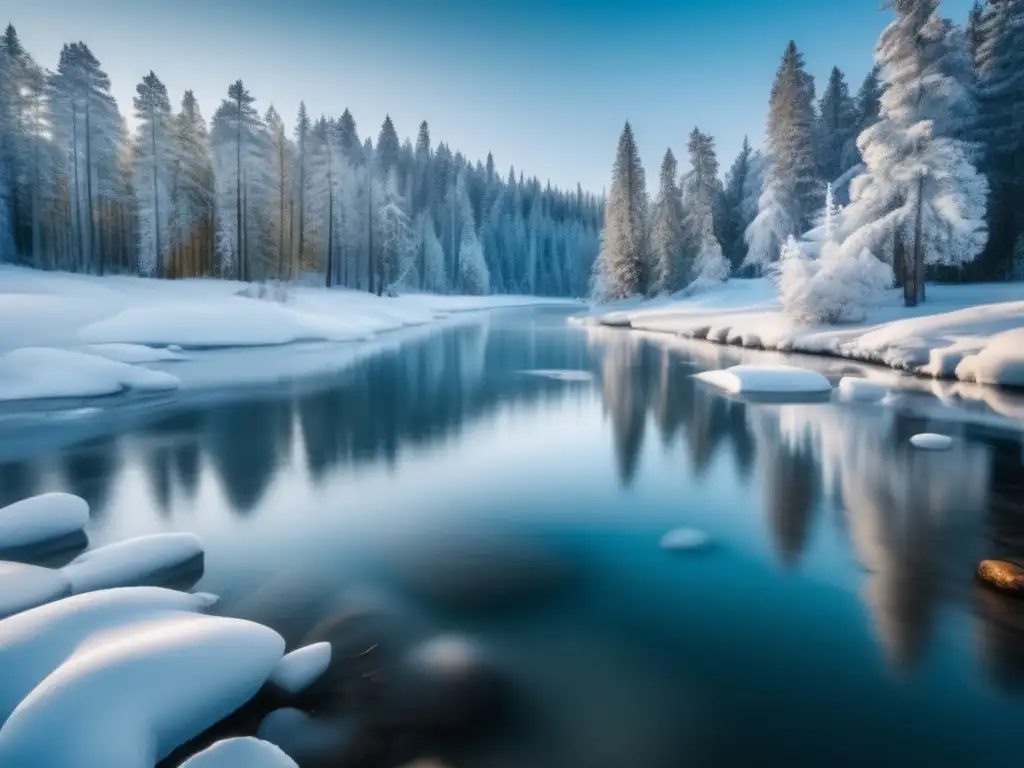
(78, 336)
(973, 333)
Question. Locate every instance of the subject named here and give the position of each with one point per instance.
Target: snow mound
(131, 695)
(130, 562)
(231, 322)
(135, 353)
(929, 441)
(853, 388)
(26, 586)
(1001, 361)
(243, 752)
(35, 373)
(566, 375)
(685, 539)
(301, 668)
(766, 379)
(41, 518)
(36, 642)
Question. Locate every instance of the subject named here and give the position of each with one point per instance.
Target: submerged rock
(446, 683)
(1004, 575)
(308, 740)
(685, 539)
(239, 752)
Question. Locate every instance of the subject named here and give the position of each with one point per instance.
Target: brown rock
(1003, 575)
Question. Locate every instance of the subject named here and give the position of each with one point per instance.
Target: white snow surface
(969, 332)
(42, 372)
(685, 539)
(561, 375)
(766, 379)
(26, 586)
(68, 335)
(865, 390)
(127, 697)
(41, 518)
(301, 668)
(929, 441)
(129, 562)
(37, 641)
(242, 752)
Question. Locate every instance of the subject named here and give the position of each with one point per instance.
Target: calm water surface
(835, 622)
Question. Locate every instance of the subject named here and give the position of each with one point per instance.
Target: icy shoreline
(970, 333)
(68, 337)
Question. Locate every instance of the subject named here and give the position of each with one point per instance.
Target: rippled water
(834, 622)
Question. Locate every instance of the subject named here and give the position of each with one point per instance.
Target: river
(833, 621)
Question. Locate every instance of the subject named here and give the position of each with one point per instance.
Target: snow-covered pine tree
(430, 269)
(236, 129)
(869, 100)
(671, 270)
(624, 258)
(472, 268)
(736, 181)
(837, 128)
(281, 157)
(919, 191)
(702, 191)
(1000, 128)
(303, 125)
(153, 172)
(792, 187)
(194, 220)
(974, 32)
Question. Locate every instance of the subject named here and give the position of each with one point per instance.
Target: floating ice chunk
(766, 379)
(41, 518)
(853, 388)
(129, 696)
(686, 539)
(135, 353)
(559, 375)
(929, 441)
(244, 752)
(301, 668)
(37, 641)
(26, 586)
(133, 561)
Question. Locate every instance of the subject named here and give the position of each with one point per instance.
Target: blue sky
(546, 86)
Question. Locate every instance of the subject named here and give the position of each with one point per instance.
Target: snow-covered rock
(230, 322)
(26, 586)
(766, 379)
(130, 562)
(135, 353)
(562, 375)
(929, 441)
(853, 388)
(127, 697)
(36, 373)
(1000, 362)
(301, 668)
(41, 518)
(37, 641)
(685, 539)
(243, 752)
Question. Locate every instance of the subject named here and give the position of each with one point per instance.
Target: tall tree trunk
(158, 255)
(280, 220)
(88, 189)
(302, 198)
(238, 193)
(369, 228)
(915, 275)
(330, 217)
(37, 250)
(78, 195)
